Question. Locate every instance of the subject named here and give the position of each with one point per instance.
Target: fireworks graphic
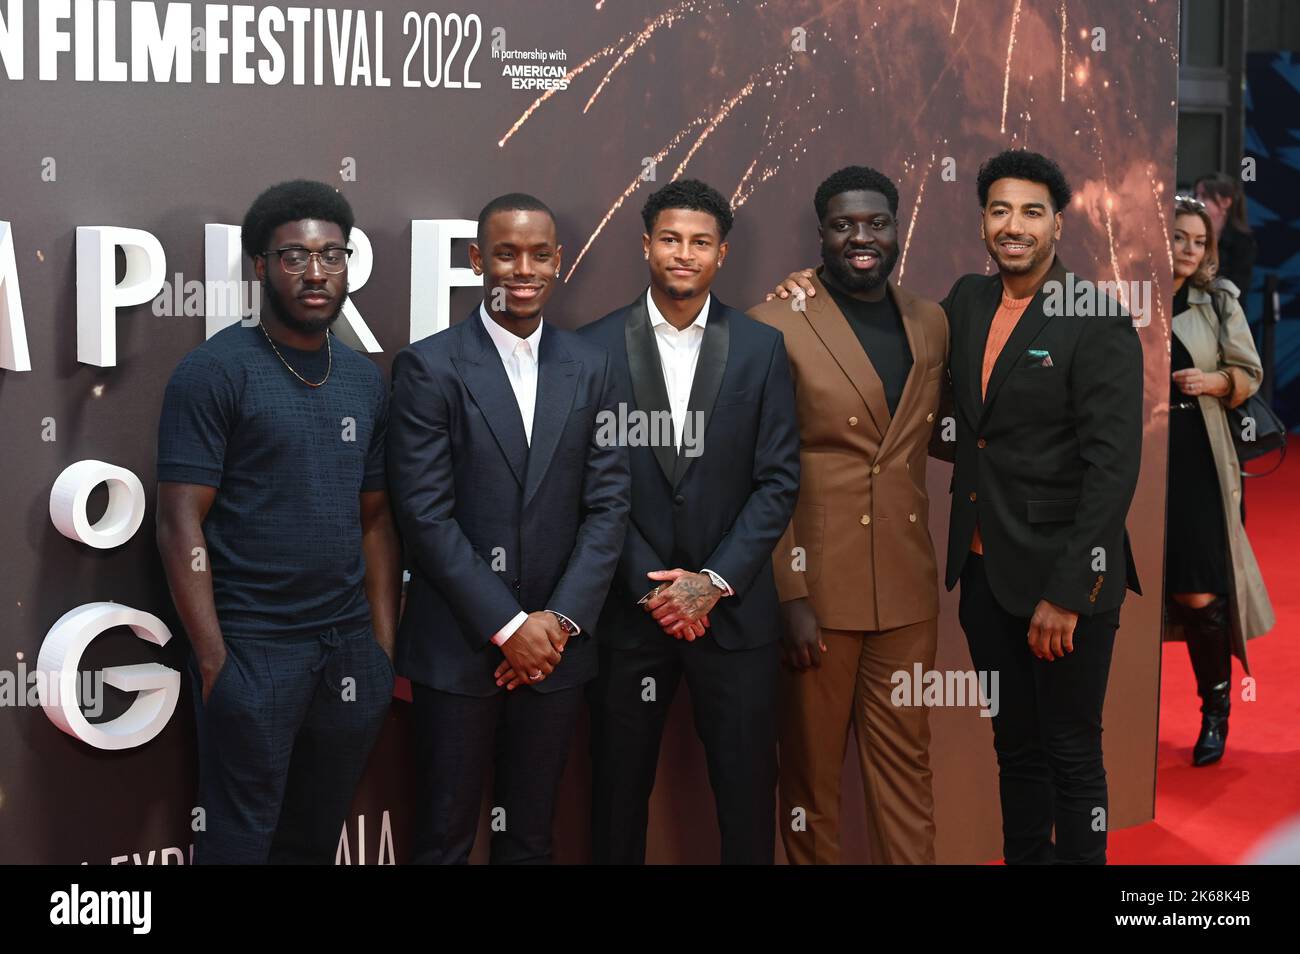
(911, 89)
(923, 92)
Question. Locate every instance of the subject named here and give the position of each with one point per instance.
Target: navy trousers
(283, 741)
(524, 736)
(734, 699)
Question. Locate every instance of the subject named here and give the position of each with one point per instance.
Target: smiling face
(519, 261)
(307, 303)
(685, 251)
(859, 241)
(1189, 244)
(1019, 227)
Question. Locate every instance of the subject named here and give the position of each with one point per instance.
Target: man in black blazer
(513, 516)
(1045, 392)
(715, 473)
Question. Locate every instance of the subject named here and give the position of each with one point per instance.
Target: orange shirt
(1004, 322)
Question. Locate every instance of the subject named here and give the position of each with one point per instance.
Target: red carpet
(1217, 814)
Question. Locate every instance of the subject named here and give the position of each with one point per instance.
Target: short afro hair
(855, 179)
(292, 202)
(511, 202)
(1023, 164)
(689, 194)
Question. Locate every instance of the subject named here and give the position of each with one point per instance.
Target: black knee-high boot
(1209, 644)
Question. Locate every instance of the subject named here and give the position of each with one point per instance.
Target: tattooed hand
(683, 603)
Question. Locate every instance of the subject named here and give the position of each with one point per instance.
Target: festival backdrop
(135, 136)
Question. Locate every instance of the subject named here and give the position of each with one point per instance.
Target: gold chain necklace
(311, 384)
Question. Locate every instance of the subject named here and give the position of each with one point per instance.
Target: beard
(1042, 253)
(678, 289)
(852, 280)
(679, 292)
(310, 326)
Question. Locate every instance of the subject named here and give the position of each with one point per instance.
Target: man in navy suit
(513, 515)
(707, 407)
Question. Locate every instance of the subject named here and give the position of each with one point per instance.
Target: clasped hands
(680, 604)
(533, 651)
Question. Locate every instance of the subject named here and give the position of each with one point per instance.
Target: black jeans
(1047, 732)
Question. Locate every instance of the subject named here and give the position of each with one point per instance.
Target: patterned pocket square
(1039, 358)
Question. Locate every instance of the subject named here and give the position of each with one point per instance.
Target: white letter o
(126, 504)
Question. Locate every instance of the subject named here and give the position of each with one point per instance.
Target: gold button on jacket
(861, 522)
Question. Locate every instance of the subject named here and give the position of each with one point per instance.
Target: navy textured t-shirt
(289, 463)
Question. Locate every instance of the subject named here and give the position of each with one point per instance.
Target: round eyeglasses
(294, 259)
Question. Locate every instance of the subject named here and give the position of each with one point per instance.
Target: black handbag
(1270, 434)
(1253, 416)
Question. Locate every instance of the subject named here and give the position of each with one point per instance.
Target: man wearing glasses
(279, 547)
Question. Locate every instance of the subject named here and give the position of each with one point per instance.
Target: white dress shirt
(519, 355)
(679, 353)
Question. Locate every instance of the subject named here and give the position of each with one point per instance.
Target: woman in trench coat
(1215, 596)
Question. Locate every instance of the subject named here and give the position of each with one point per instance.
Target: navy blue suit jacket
(490, 524)
(724, 509)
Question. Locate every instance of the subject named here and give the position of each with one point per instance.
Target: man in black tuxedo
(1046, 398)
(715, 473)
(513, 516)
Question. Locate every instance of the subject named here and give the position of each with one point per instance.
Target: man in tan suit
(855, 571)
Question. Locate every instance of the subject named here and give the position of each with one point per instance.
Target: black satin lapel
(485, 378)
(557, 382)
(709, 369)
(648, 378)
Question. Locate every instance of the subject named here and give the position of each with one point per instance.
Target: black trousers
(283, 741)
(734, 699)
(1047, 732)
(525, 735)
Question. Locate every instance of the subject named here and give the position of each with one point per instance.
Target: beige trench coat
(1231, 348)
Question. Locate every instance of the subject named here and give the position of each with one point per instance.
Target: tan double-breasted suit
(859, 550)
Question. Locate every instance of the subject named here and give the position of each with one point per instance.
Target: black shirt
(879, 327)
(289, 463)
(1180, 298)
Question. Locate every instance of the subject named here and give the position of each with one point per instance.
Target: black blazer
(491, 525)
(724, 509)
(1048, 462)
